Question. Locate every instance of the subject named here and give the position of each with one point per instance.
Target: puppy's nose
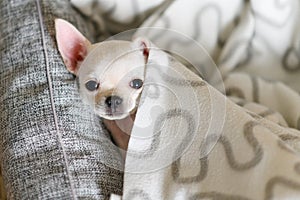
(113, 101)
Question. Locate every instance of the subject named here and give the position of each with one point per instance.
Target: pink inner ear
(71, 44)
(145, 51)
(75, 53)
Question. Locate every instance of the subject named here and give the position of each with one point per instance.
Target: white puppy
(110, 73)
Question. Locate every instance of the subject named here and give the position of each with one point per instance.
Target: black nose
(113, 101)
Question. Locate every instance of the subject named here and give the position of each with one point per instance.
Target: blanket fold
(191, 142)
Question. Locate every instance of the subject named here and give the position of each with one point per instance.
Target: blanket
(228, 130)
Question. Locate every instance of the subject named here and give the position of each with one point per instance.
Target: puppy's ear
(143, 45)
(72, 45)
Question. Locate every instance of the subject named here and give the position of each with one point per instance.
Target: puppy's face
(111, 78)
(111, 73)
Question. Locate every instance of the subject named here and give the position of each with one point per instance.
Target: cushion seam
(40, 16)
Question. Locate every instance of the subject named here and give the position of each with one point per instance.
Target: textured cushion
(52, 146)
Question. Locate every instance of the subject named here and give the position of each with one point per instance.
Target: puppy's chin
(118, 115)
(114, 116)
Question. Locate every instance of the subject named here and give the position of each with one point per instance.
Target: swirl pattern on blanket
(245, 145)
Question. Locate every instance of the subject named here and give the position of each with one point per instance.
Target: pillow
(52, 146)
(118, 15)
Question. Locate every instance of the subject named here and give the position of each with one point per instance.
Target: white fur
(114, 64)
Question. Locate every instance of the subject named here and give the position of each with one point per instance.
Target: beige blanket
(234, 135)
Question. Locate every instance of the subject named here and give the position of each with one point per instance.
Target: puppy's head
(111, 73)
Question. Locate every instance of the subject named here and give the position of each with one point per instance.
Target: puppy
(110, 75)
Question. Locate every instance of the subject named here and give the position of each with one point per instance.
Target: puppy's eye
(92, 85)
(136, 83)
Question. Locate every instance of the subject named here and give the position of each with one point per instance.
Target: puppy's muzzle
(113, 102)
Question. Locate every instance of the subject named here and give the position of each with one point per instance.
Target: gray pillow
(52, 146)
